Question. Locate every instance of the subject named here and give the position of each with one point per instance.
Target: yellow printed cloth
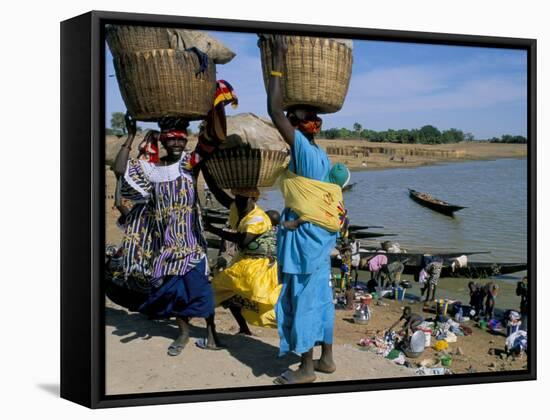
(320, 203)
(250, 281)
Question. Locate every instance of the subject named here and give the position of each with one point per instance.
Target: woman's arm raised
(274, 93)
(121, 160)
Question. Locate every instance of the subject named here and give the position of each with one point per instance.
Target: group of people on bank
(280, 275)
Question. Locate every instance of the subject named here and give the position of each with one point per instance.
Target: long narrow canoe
(365, 235)
(433, 203)
(349, 187)
(476, 270)
(361, 227)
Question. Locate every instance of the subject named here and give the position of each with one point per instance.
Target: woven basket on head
(316, 72)
(163, 83)
(244, 167)
(128, 39)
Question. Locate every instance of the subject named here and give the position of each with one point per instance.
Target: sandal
(175, 349)
(202, 343)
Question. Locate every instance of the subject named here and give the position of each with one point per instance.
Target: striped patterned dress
(165, 238)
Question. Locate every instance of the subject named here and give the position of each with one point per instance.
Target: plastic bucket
(441, 306)
(427, 336)
(446, 360)
(400, 293)
(483, 325)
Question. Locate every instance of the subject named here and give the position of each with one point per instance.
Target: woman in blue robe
(305, 311)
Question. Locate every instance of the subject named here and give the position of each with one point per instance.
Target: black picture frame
(82, 208)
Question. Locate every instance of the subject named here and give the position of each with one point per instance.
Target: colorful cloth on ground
(187, 295)
(320, 203)
(250, 281)
(305, 312)
(173, 218)
(377, 262)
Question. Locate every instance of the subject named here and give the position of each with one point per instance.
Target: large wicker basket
(128, 39)
(316, 72)
(244, 167)
(164, 83)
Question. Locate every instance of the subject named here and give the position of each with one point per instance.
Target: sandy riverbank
(136, 359)
(362, 155)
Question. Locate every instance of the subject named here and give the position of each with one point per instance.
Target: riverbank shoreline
(360, 155)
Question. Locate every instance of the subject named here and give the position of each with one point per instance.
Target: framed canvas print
(255, 209)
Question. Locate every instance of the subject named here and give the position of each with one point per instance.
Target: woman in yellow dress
(248, 286)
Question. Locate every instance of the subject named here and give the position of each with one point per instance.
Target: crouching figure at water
(305, 311)
(249, 285)
(412, 321)
(177, 252)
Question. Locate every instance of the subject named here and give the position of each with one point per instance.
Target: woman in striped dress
(178, 279)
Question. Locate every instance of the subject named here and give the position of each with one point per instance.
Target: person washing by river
(476, 298)
(305, 312)
(522, 292)
(411, 324)
(355, 258)
(433, 272)
(490, 291)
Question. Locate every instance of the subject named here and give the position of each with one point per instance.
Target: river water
(494, 192)
(495, 220)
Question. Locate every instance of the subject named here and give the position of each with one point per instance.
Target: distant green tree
(430, 134)
(452, 135)
(469, 137)
(357, 128)
(117, 122)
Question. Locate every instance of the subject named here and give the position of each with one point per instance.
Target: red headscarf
(174, 133)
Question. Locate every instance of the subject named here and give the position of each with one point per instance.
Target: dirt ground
(136, 359)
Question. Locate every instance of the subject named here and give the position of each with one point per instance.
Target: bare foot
(325, 366)
(299, 376)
